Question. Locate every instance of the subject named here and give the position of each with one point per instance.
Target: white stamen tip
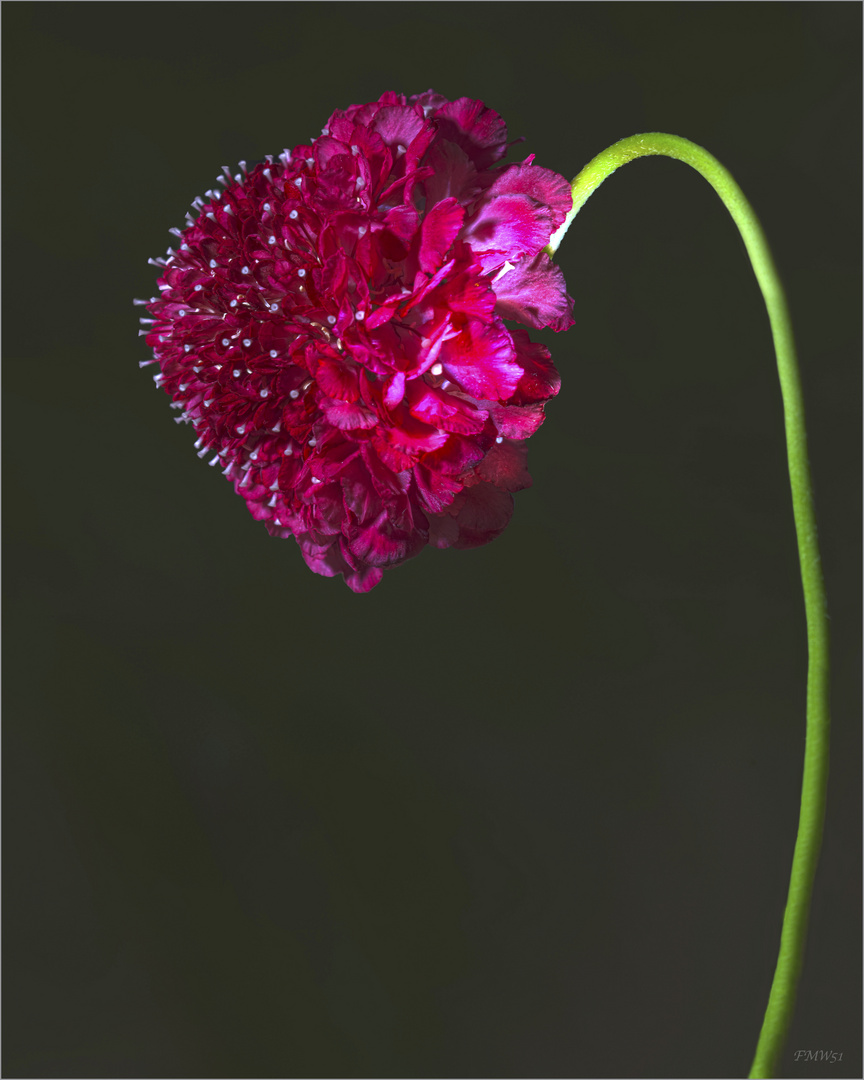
(247, 342)
(273, 353)
(436, 369)
(505, 269)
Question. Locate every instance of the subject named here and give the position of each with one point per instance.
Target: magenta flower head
(332, 326)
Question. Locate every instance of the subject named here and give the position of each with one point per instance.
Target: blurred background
(524, 811)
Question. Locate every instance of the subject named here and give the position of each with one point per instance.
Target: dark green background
(522, 811)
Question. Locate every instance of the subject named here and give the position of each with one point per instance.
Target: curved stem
(781, 1001)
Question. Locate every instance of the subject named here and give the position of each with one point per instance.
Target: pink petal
(533, 292)
(547, 188)
(395, 390)
(440, 228)
(481, 359)
(364, 579)
(509, 227)
(540, 380)
(399, 124)
(445, 411)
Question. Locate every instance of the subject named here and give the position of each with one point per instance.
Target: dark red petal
(457, 455)
(454, 174)
(435, 491)
(403, 221)
(381, 543)
(516, 421)
(337, 380)
(480, 132)
(481, 512)
(348, 416)
(505, 466)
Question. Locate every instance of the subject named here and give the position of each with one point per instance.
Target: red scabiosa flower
(332, 326)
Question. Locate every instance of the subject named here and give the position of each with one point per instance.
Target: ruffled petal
(534, 292)
(482, 360)
(480, 131)
(480, 513)
(440, 228)
(508, 227)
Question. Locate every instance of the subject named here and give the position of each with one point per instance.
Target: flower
(332, 327)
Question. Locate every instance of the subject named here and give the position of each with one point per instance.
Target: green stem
(781, 1001)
